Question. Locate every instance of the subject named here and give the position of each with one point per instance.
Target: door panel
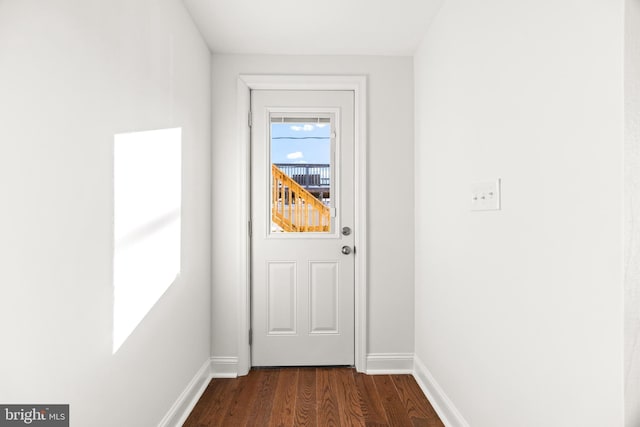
(302, 195)
(323, 301)
(282, 298)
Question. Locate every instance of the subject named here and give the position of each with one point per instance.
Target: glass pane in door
(301, 174)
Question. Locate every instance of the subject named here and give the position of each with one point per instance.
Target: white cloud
(306, 128)
(296, 155)
(321, 125)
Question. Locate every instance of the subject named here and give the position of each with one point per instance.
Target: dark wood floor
(321, 397)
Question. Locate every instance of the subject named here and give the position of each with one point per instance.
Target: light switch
(485, 196)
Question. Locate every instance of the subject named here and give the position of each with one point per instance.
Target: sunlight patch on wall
(147, 212)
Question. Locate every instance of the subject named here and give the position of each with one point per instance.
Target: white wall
(632, 207)
(390, 152)
(72, 74)
(519, 313)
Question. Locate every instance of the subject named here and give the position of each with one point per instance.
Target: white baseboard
(180, 410)
(389, 363)
(224, 367)
(447, 412)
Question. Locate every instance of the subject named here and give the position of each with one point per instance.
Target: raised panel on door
(281, 298)
(323, 297)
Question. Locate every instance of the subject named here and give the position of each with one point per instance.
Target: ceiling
(331, 27)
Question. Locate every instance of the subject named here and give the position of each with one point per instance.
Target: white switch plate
(485, 196)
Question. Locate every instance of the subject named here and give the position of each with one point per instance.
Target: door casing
(357, 84)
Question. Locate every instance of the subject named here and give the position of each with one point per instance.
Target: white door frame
(357, 84)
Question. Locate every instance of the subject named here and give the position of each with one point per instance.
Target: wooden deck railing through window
(295, 209)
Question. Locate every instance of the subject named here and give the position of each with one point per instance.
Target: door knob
(346, 250)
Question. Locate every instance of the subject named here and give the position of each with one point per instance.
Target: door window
(302, 173)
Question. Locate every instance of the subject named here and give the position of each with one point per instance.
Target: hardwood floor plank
(222, 392)
(349, 408)
(328, 415)
(263, 406)
(391, 402)
(306, 402)
(372, 410)
(202, 406)
(284, 404)
(239, 409)
(417, 407)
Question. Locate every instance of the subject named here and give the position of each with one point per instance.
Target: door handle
(346, 250)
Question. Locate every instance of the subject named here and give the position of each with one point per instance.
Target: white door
(302, 214)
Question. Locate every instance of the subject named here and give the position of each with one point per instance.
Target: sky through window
(304, 143)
